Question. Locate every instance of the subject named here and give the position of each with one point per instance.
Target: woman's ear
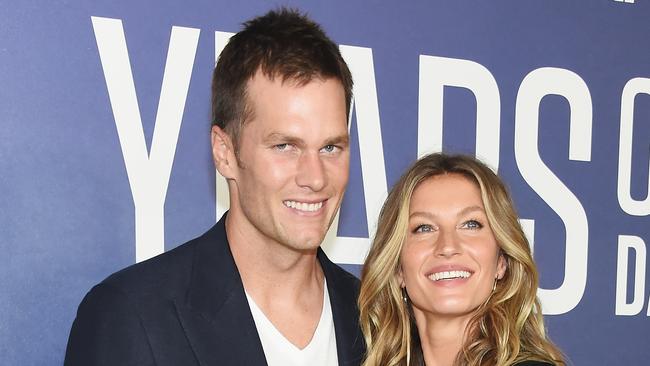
(502, 265)
(400, 277)
(223, 153)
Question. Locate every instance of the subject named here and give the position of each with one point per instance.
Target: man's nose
(311, 172)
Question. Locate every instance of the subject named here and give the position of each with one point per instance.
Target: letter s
(533, 88)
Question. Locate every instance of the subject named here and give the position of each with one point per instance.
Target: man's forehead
(293, 80)
(298, 131)
(272, 109)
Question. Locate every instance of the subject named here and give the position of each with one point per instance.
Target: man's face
(293, 161)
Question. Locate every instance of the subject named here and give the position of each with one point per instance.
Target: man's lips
(305, 206)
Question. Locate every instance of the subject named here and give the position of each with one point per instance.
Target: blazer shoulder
(154, 272)
(107, 331)
(334, 272)
(167, 274)
(346, 277)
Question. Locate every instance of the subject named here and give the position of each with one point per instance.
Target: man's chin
(308, 243)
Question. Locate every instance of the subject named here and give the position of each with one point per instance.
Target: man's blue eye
(281, 146)
(329, 148)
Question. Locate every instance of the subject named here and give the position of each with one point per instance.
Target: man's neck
(287, 285)
(267, 264)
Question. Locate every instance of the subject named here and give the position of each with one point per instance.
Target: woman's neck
(441, 338)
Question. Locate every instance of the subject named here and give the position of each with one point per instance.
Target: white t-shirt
(321, 350)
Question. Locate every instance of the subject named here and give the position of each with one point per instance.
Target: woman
(450, 279)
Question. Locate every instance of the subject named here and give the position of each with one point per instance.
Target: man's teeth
(448, 275)
(303, 206)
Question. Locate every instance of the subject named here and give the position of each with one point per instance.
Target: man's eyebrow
(276, 136)
(339, 140)
(289, 139)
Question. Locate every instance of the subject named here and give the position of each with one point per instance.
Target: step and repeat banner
(105, 155)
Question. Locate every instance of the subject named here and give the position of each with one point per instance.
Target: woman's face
(450, 258)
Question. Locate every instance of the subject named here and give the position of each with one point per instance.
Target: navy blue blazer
(188, 307)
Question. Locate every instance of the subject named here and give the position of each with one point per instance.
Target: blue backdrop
(105, 157)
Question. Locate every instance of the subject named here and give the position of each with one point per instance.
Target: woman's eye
(423, 229)
(472, 224)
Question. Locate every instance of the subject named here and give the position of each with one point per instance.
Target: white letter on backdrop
(438, 72)
(533, 88)
(625, 243)
(371, 150)
(148, 172)
(625, 200)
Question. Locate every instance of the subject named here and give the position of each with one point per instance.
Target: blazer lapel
(215, 314)
(343, 298)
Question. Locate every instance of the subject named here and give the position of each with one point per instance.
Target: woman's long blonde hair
(509, 327)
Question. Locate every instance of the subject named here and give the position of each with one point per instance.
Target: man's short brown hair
(282, 43)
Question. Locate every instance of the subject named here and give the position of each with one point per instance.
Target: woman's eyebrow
(470, 209)
(431, 216)
(425, 214)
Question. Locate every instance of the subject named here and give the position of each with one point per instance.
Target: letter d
(625, 243)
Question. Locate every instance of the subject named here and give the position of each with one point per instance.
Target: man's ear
(223, 152)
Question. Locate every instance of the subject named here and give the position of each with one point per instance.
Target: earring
(405, 296)
(494, 288)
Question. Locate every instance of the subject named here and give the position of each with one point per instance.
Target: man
(255, 289)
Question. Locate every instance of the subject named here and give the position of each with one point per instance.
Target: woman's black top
(533, 363)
